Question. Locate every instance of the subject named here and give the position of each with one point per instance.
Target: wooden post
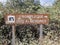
(41, 34)
(13, 34)
(41, 31)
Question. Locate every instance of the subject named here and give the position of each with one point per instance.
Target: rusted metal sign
(27, 19)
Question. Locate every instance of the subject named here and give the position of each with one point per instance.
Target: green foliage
(29, 33)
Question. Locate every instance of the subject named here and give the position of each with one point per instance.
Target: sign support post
(41, 34)
(13, 34)
(41, 31)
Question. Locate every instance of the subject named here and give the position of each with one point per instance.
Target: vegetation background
(29, 34)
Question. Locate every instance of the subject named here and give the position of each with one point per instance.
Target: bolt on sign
(27, 19)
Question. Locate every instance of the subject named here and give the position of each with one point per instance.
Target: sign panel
(27, 19)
